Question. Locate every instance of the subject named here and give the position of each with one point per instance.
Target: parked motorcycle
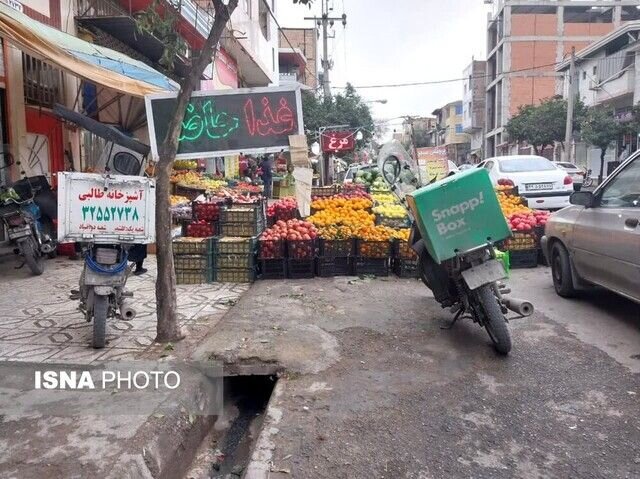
(468, 283)
(32, 234)
(102, 287)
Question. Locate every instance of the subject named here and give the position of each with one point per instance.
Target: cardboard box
(458, 213)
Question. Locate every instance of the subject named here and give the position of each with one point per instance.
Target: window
(263, 18)
(595, 70)
(624, 190)
(588, 14)
(630, 13)
(42, 82)
(458, 128)
(520, 165)
(458, 109)
(488, 165)
(584, 74)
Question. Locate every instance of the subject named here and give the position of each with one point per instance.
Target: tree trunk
(603, 152)
(536, 150)
(168, 328)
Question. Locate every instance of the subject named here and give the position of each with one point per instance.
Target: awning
(102, 130)
(97, 64)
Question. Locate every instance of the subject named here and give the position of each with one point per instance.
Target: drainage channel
(225, 451)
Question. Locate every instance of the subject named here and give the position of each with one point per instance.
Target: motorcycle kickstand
(454, 321)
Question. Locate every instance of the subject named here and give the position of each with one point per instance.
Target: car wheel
(561, 271)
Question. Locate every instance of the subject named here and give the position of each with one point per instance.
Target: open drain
(226, 450)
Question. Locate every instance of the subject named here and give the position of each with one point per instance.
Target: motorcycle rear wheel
(494, 321)
(100, 312)
(32, 257)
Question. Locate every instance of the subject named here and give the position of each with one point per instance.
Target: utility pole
(568, 136)
(325, 21)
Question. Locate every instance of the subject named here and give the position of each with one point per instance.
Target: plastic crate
(194, 277)
(272, 249)
(236, 245)
(197, 246)
(207, 210)
(373, 249)
(193, 228)
(336, 248)
(193, 262)
(371, 266)
(328, 267)
(301, 249)
(396, 223)
(402, 250)
(273, 268)
(301, 268)
(523, 258)
(323, 191)
(241, 229)
(227, 261)
(235, 275)
(522, 241)
(405, 268)
(242, 214)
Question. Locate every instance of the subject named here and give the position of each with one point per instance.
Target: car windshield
(567, 166)
(520, 165)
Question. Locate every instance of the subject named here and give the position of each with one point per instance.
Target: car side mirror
(582, 198)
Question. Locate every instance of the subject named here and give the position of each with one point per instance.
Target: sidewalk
(40, 324)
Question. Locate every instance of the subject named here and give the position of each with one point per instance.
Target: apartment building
(298, 55)
(449, 132)
(473, 107)
(526, 40)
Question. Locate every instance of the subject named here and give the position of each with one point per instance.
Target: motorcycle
(469, 284)
(588, 180)
(24, 223)
(102, 291)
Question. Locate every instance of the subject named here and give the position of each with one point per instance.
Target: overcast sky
(400, 41)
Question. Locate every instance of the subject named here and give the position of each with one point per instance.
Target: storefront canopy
(91, 62)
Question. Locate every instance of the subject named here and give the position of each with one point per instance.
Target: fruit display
(353, 189)
(528, 221)
(283, 209)
(367, 178)
(511, 204)
(390, 211)
(521, 241)
(200, 229)
(337, 232)
(185, 165)
(342, 216)
(379, 185)
(338, 201)
(384, 198)
(206, 211)
(298, 233)
(194, 180)
(376, 233)
(175, 200)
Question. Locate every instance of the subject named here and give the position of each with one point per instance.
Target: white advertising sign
(105, 208)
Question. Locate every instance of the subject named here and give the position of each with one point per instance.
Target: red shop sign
(336, 141)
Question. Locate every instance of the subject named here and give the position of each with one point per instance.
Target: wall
(306, 40)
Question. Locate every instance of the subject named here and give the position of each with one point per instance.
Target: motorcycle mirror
(391, 169)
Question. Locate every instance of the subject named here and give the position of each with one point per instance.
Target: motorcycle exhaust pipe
(47, 248)
(519, 306)
(127, 313)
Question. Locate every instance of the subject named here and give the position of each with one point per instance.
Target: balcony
(288, 78)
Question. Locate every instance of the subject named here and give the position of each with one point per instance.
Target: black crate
(199, 246)
(523, 258)
(336, 248)
(242, 214)
(402, 250)
(373, 249)
(235, 275)
(371, 266)
(272, 249)
(241, 229)
(301, 268)
(405, 268)
(232, 261)
(328, 267)
(236, 245)
(193, 262)
(273, 268)
(301, 249)
(194, 277)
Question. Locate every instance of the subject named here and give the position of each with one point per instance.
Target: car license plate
(488, 272)
(539, 186)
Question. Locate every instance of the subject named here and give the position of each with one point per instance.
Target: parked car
(453, 168)
(597, 240)
(575, 172)
(466, 166)
(543, 184)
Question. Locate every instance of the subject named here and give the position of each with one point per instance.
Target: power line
(453, 80)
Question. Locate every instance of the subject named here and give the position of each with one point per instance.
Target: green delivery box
(458, 213)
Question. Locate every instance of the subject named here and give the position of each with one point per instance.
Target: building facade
(298, 55)
(449, 132)
(473, 107)
(608, 75)
(526, 40)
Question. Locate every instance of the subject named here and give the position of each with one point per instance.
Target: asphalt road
(373, 387)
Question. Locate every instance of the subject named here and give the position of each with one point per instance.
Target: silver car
(575, 172)
(596, 241)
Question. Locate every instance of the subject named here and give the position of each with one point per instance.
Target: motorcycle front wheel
(32, 257)
(494, 321)
(100, 312)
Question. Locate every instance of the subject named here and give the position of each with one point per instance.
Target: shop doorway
(45, 147)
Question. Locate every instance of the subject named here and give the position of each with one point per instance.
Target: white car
(575, 172)
(543, 184)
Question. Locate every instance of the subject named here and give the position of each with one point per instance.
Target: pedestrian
(267, 175)
(137, 254)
